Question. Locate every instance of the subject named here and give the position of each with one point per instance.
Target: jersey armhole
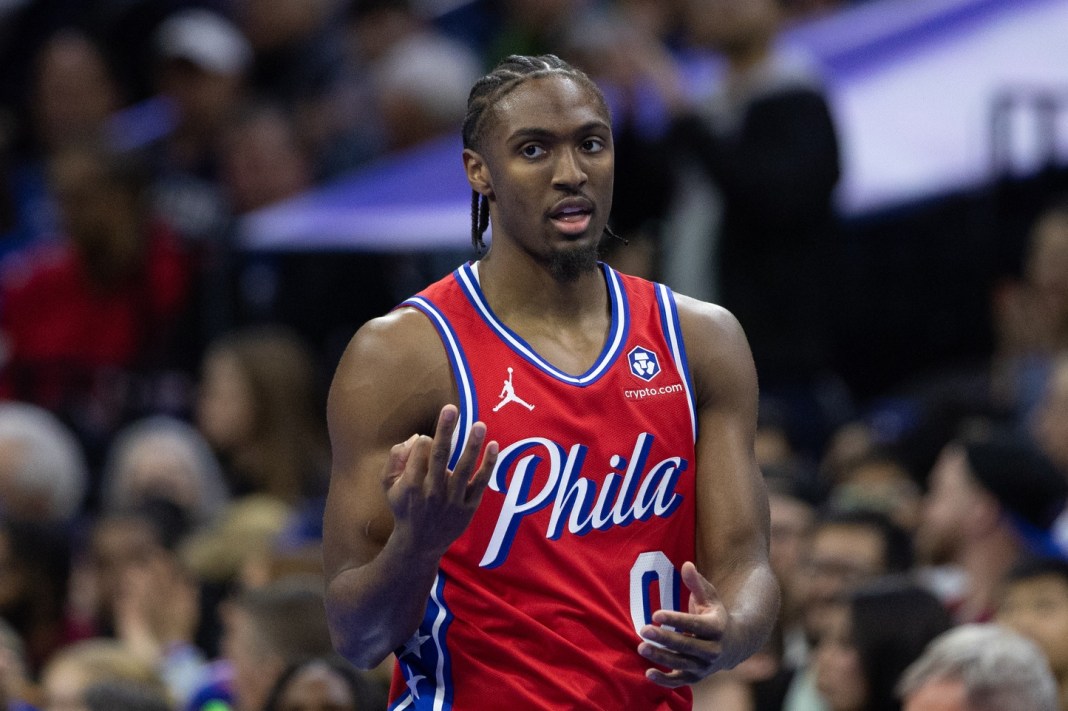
(461, 372)
(669, 321)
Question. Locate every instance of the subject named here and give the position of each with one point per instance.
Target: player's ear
(478, 173)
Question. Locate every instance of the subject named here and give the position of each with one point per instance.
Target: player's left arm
(734, 597)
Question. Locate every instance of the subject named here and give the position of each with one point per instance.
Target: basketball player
(544, 493)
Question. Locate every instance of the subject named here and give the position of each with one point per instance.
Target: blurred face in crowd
(263, 163)
(254, 670)
(102, 217)
(839, 558)
(225, 405)
(115, 545)
(1047, 271)
(949, 508)
(74, 93)
(317, 687)
(1037, 608)
(271, 24)
(204, 98)
(791, 522)
(1050, 425)
(839, 674)
(730, 26)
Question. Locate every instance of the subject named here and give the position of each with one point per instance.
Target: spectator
(16, 689)
(992, 499)
(259, 409)
(163, 458)
(845, 551)
(792, 501)
(223, 553)
(124, 696)
(266, 630)
(35, 560)
(263, 161)
(979, 667)
(870, 639)
(767, 143)
(1035, 604)
(298, 54)
(325, 683)
(1031, 314)
(530, 27)
(1049, 426)
(202, 65)
(43, 472)
(88, 320)
(879, 481)
(131, 565)
(416, 87)
(79, 666)
(73, 93)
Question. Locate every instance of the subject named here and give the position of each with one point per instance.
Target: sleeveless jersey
(587, 519)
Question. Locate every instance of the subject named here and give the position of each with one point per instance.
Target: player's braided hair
(512, 71)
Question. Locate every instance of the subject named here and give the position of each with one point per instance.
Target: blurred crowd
(163, 453)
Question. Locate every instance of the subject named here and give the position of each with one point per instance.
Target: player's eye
(593, 145)
(532, 150)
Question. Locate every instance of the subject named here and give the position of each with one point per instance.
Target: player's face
(548, 166)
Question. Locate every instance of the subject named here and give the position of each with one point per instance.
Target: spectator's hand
(695, 647)
(143, 621)
(432, 505)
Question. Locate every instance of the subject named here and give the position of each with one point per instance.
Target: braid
(479, 220)
(512, 71)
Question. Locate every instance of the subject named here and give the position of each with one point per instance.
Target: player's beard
(569, 264)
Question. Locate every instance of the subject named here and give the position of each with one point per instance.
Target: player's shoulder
(716, 345)
(394, 340)
(706, 320)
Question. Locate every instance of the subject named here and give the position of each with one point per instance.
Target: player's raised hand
(694, 648)
(432, 504)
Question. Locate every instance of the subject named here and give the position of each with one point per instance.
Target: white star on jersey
(413, 683)
(415, 645)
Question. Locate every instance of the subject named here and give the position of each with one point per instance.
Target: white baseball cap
(206, 39)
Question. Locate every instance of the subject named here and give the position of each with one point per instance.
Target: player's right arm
(393, 507)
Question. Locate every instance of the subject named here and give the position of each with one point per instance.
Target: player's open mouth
(572, 219)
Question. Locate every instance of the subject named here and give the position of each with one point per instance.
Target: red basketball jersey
(588, 517)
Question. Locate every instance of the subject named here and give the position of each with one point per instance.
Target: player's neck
(529, 292)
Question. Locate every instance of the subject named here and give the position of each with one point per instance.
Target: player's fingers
(684, 665)
(703, 645)
(461, 474)
(702, 592)
(438, 465)
(417, 464)
(482, 476)
(672, 680)
(396, 461)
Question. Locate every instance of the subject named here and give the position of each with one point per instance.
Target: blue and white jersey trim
(424, 660)
(468, 404)
(669, 319)
(467, 276)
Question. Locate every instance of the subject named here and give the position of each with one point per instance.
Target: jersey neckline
(468, 279)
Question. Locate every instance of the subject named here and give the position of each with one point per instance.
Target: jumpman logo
(508, 395)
